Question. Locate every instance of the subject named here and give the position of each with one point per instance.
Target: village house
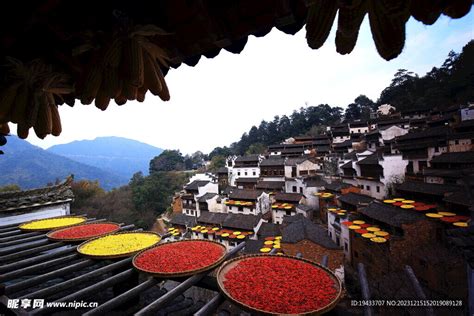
(284, 204)
(358, 127)
(301, 235)
(182, 222)
(467, 113)
(415, 113)
(270, 186)
(453, 197)
(222, 178)
(387, 122)
(299, 167)
(21, 206)
(268, 230)
(351, 201)
(419, 147)
(245, 166)
(379, 137)
(273, 169)
(246, 183)
(384, 110)
(414, 240)
(340, 133)
(248, 202)
(377, 173)
(193, 191)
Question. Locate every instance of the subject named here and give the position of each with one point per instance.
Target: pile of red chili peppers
(179, 257)
(280, 285)
(84, 231)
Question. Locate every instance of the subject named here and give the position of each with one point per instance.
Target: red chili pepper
(179, 257)
(280, 285)
(85, 231)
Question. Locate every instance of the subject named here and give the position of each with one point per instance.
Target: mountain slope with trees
(450, 84)
(29, 166)
(115, 154)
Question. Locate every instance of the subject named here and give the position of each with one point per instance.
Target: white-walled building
(358, 127)
(377, 173)
(248, 202)
(379, 137)
(245, 166)
(21, 206)
(284, 204)
(300, 167)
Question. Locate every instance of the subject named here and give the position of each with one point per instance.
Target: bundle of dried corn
(126, 68)
(29, 99)
(387, 21)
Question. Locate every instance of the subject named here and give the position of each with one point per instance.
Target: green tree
(168, 160)
(216, 163)
(10, 187)
(85, 190)
(154, 193)
(256, 148)
(220, 151)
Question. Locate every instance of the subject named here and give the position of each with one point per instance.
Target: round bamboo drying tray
(122, 255)
(183, 273)
(50, 228)
(228, 265)
(51, 233)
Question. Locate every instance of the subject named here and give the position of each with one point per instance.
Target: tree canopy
(168, 160)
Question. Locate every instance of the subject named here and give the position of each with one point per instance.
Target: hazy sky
(215, 102)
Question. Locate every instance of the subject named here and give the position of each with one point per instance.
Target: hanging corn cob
(29, 100)
(126, 69)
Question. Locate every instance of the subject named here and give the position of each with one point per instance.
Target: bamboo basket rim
(122, 255)
(51, 237)
(184, 273)
(324, 309)
(50, 229)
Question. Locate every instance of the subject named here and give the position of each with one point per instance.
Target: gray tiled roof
(244, 194)
(270, 185)
(393, 216)
(269, 230)
(212, 218)
(248, 158)
(183, 220)
(15, 200)
(206, 197)
(355, 199)
(455, 158)
(246, 180)
(288, 197)
(297, 228)
(195, 185)
(426, 188)
(272, 162)
(241, 221)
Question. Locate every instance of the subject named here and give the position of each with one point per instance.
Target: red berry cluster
(179, 257)
(280, 285)
(84, 231)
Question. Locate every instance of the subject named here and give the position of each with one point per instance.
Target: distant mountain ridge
(118, 155)
(29, 167)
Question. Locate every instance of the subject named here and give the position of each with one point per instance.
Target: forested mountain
(118, 155)
(450, 84)
(29, 166)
